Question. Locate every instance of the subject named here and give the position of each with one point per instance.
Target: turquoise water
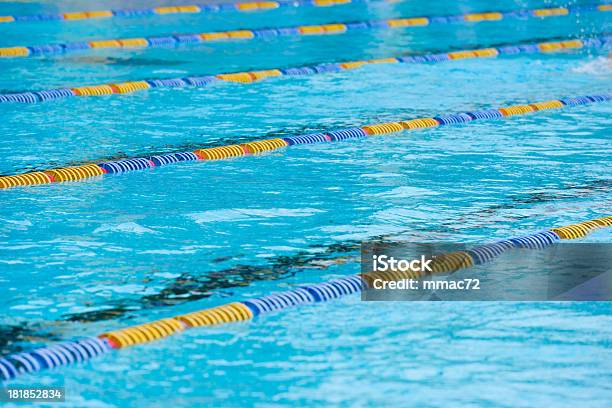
(77, 259)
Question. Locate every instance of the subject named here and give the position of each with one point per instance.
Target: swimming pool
(82, 258)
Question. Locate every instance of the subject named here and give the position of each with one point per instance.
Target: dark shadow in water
(190, 287)
(13, 338)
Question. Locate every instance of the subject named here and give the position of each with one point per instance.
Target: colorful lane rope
(256, 147)
(248, 77)
(322, 29)
(181, 9)
(70, 352)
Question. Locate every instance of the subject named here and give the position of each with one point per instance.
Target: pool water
(77, 259)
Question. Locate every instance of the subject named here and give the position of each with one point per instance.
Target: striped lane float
(248, 77)
(241, 34)
(252, 76)
(133, 42)
(485, 114)
(455, 119)
(535, 241)
(408, 22)
(599, 98)
(414, 59)
(325, 68)
(352, 284)
(187, 38)
(176, 9)
(580, 100)
(52, 94)
(121, 166)
(23, 363)
(164, 159)
(37, 17)
(199, 80)
(455, 55)
(509, 49)
(214, 36)
(546, 105)
(556, 11)
(27, 179)
(264, 145)
(223, 152)
(75, 352)
(7, 370)
(277, 301)
(321, 29)
(595, 41)
(298, 71)
(167, 83)
(266, 32)
(390, 60)
(573, 231)
(143, 333)
(517, 13)
(96, 90)
(162, 42)
(351, 133)
(51, 357)
(76, 46)
(322, 292)
(516, 110)
(604, 221)
(240, 77)
(264, 5)
(74, 173)
(46, 49)
(487, 53)
(259, 75)
(448, 19)
(438, 57)
(232, 312)
(24, 97)
(81, 15)
(376, 24)
(531, 48)
(483, 16)
(486, 253)
(129, 87)
(383, 128)
(70, 352)
(419, 123)
(451, 262)
(238, 34)
(113, 43)
(307, 139)
(11, 52)
(353, 64)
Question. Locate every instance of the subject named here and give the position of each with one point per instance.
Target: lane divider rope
(71, 352)
(182, 9)
(305, 30)
(248, 77)
(252, 148)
